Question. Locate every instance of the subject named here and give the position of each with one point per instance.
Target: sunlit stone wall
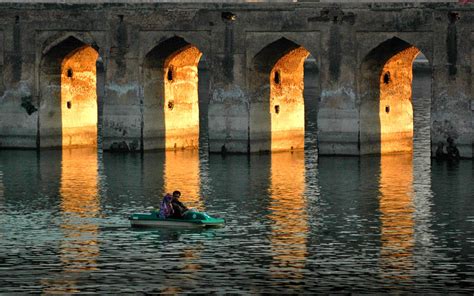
(287, 102)
(181, 108)
(340, 36)
(395, 108)
(79, 98)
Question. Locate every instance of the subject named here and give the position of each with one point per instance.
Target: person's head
(176, 194)
(168, 197)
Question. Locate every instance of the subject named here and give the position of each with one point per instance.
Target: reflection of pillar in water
(182, 173)
(79, 203)
(397, 221)
(2, 198)
(288, 214)
(422, 202)
(2, 190)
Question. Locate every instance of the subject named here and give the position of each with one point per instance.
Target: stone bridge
(127, 74)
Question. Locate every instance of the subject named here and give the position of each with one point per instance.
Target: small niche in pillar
(169, 75)
(276, 77)
(387, 109)
(277, 109)
(69, 73)
(386, 77)
(170, 105)
(69, 104)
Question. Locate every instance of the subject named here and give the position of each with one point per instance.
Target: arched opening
(386, 104)
(277, 119)
(68, 82)
(171, 100)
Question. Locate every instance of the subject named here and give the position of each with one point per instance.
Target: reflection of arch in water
(79, 193)
(79, 204)
(288, 214)
(397, 216)
(277, 106)
(386, 112)
(171, 109)
(181, 172)
(2, 191)
(68, 81)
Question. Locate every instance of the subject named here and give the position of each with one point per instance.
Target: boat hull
(192, 220)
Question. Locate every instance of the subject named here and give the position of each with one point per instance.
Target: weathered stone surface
(34, 37)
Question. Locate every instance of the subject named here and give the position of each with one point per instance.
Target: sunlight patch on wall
(287, 102)
(79, 98)
(181, 106)
(395, 108)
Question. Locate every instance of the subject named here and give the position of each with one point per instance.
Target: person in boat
(178, 207)
(452, 150)
(440, 154)
(166, 207)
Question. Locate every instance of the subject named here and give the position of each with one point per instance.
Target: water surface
(296, 222)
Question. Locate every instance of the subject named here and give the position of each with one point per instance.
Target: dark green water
(295, 223)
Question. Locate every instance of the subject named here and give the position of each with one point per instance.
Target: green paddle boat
(191, 219)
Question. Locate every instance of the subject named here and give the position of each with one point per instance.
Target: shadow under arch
(277, 103)
(69, 94)
(385, 87)
(171, 105)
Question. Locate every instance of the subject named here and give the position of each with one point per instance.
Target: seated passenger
(178, 207)
(166, 208)
(452, 150)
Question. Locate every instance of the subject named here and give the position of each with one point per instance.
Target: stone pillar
(338, 114)
(229, 103)
(451, 107)
(18, 105)
(122, 120)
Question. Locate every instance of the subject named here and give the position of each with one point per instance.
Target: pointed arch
(277, 103)
(385, 88)
(171, 109)
(68, 93)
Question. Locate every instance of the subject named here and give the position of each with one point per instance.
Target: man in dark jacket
(178, 207)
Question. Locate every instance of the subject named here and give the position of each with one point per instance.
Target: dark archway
(171, 105)
(277, 105)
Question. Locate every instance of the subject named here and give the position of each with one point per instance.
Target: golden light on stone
(181, 172)
(288, 214)
(397, 211)
(287, 101)
(181, 106)
(395, 107)
(79, 98)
